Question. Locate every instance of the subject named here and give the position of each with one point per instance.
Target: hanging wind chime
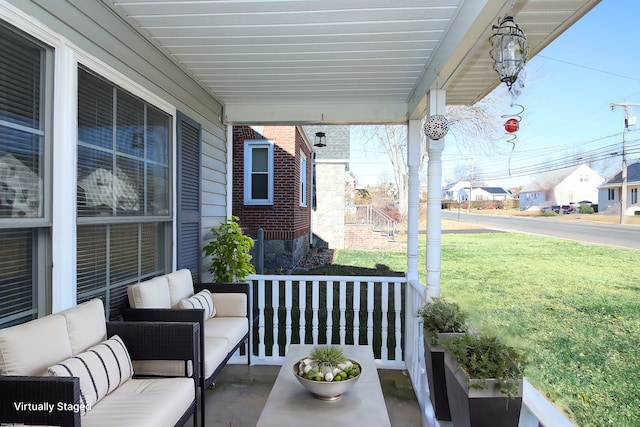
(510, 51)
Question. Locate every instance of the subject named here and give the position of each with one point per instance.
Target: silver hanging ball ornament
(436, 127)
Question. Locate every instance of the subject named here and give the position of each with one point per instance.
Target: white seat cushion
(153, 293)
(86, 325)
(30, 348)
(233, 329)
(215, 350)
(200, 300)
(101, 369)
(180, 286)
(155, 402)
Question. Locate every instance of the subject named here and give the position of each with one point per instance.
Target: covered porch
(206, 66)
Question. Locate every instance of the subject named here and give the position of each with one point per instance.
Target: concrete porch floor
(241, 392)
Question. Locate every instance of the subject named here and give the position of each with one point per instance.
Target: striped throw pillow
(101, 369)
(202, 299)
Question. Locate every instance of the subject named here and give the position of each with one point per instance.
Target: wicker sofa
(73, 368)
(224, 325)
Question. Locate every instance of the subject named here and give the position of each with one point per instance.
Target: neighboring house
(561, 187)
(486, 193)
(331, 183)
(452, 191)
(609, 192)
(272, 189)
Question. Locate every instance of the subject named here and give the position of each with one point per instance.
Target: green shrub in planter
(485, 357)
(439, 315)
(484, 381)
(230, 252)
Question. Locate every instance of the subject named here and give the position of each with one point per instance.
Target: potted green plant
(484, 381)
(441, 320)
(230, 252)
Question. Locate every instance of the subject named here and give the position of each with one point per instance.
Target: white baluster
(343, 308)
(302, 304)
(370, 298)
(261, 286)
(275, 303)
(315, 304)
(384, 350)
(329, 305)
(288, 304)
(356, 312)
(397, 300)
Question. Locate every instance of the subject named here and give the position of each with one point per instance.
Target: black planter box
(434, 361)
(471, 407)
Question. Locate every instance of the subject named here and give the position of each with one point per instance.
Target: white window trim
(304, 179)
(249, 144)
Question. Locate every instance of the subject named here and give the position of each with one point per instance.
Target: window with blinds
(258, 172)
(124, 187)
(24, 222)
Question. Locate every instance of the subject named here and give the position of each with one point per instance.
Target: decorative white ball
(436, 127)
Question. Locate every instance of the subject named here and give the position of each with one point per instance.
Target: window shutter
(189, 242)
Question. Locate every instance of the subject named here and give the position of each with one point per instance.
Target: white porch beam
(436, 104)
(309, 113)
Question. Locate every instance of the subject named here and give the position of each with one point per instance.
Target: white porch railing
(379, 311)
(327, 309)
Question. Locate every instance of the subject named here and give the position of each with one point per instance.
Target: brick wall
(285, 220)
(363, 237)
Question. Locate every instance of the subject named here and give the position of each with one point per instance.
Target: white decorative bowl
(326, 390)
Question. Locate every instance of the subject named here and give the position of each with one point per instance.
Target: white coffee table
(290, 404)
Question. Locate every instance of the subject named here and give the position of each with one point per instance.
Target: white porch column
(414, 134)
(436, 105)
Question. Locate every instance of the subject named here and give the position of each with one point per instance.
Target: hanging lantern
(321, 140)
(512, 125)
(436, 127)
(510, 50)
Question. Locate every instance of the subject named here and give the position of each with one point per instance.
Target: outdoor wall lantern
(510, 50)
(321, 140)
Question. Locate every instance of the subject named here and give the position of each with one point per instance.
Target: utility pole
(623, 191)
(473, 166)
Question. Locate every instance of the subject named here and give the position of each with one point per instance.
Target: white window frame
(304, 179)
(634, 196)
(249, 146)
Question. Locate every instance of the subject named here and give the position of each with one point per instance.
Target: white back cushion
(86, 325)
(180, 286)
(28, 349)
(200, 300)
(101, 369)
(230, 305)
(153, 293)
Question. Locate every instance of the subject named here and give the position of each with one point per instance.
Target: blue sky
(568, 90)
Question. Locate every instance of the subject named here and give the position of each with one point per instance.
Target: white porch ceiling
(340, 61)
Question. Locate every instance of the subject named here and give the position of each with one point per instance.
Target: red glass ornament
(512, 125)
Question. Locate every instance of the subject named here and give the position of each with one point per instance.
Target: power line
(589, 68)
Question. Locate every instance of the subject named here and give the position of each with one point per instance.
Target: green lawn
(574, 309)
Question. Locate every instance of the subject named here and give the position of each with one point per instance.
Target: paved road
(626, 236)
